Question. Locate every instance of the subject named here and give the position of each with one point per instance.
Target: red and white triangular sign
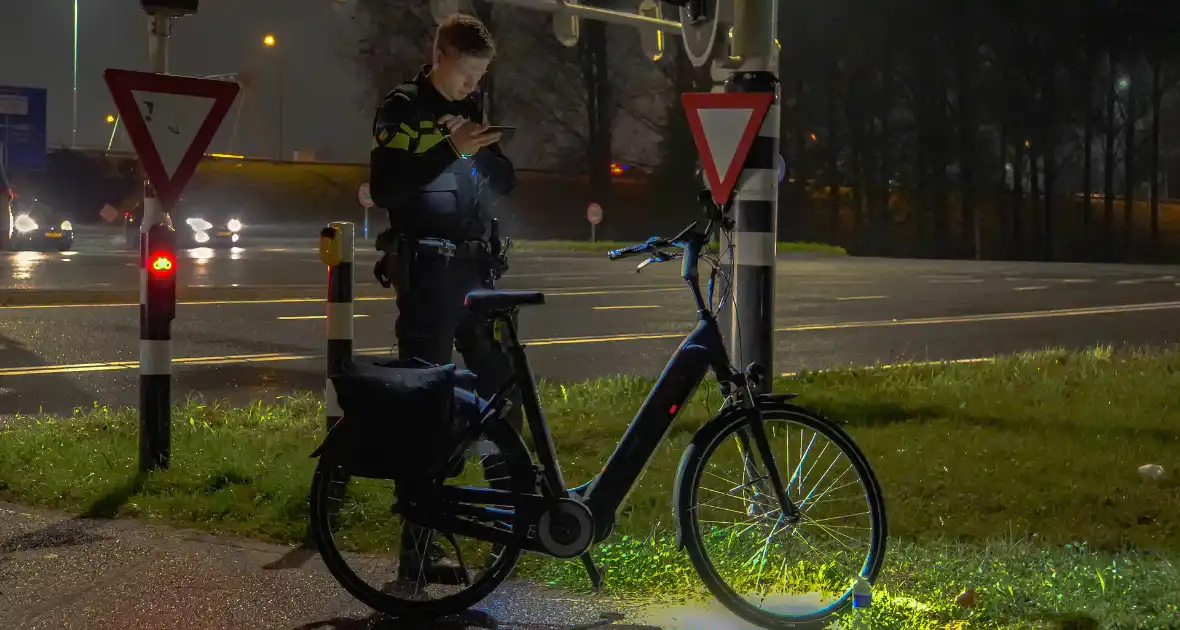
(724, 125)
(171, 121)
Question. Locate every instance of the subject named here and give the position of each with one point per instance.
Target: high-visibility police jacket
(416, 174)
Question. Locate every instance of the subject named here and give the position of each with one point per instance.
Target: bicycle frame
(702, 350)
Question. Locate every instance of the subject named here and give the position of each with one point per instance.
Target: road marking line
(576, 291)
(891, 366)
(1078, 280)
(555, 341)
(291, 317)
(957, 281)
(993, 317)
(863, 297)
(624, 306)
(1135, 281)
(1035, 288)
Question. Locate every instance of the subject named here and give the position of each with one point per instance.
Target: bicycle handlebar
(646, 247)
(690, 240)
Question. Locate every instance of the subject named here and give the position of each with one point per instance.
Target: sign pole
(756, 201)
(155, 326)
(156, 130)
(594, 217)
(366, 200)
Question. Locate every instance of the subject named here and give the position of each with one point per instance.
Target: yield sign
(171, 121)
(724, 125)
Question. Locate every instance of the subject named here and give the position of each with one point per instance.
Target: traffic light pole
(756, 202)
(157, 299)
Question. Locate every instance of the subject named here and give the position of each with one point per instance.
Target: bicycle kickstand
(592, 572)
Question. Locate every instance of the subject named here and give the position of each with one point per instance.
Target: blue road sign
(22, 128)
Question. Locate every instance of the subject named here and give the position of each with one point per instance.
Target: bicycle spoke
(766, 560)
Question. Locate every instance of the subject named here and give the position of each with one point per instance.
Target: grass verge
(799, 247)
(1018, 478)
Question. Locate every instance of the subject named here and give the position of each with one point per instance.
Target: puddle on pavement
(711, 615)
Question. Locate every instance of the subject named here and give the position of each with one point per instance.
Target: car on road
(210, 231)
(207, 229)
(32, 225)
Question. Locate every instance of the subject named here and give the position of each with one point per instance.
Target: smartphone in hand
(505, 131)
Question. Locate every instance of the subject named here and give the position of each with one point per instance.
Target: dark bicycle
(740, 550)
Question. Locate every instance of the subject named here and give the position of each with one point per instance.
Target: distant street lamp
(74, 128)
(113, 121)
(271, 42)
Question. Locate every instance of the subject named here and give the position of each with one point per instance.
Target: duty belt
(450, 249)
(410, 248)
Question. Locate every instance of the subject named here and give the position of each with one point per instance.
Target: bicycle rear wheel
(355, 553)
(739, 542)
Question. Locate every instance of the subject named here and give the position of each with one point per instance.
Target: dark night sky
(325, 110)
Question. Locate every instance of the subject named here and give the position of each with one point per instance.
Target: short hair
(465, 36)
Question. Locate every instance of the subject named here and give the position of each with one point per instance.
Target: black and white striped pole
(338, 252)
(157, 309)
(756, 231)
(749, 66)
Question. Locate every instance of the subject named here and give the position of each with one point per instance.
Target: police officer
(432, 164)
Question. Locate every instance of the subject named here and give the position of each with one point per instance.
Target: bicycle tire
(705, 443)
(516, 457)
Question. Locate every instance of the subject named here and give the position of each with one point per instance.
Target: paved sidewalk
(62, 573)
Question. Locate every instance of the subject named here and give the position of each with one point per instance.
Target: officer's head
(463, 48)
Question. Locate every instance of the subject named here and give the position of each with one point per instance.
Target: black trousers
(432, 323)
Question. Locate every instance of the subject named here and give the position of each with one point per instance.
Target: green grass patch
(1018, 478)
(802, 247)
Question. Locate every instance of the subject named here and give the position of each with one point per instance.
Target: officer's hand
(469, 137)
(452, 122)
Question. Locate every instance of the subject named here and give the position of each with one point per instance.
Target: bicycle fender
(330, 440)
(775, 399)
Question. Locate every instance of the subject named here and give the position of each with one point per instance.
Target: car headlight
(24, 223)
(67, 226)
(201, 237)
(199, 225)
(233, 225)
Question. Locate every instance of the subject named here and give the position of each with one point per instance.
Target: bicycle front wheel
(766, 570)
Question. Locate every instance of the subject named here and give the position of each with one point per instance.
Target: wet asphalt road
(265, 336)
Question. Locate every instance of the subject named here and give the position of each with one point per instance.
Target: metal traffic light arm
(597, 13)
(704, 25)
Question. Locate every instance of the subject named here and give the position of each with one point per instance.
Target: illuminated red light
(161, 264)
(672, 409)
